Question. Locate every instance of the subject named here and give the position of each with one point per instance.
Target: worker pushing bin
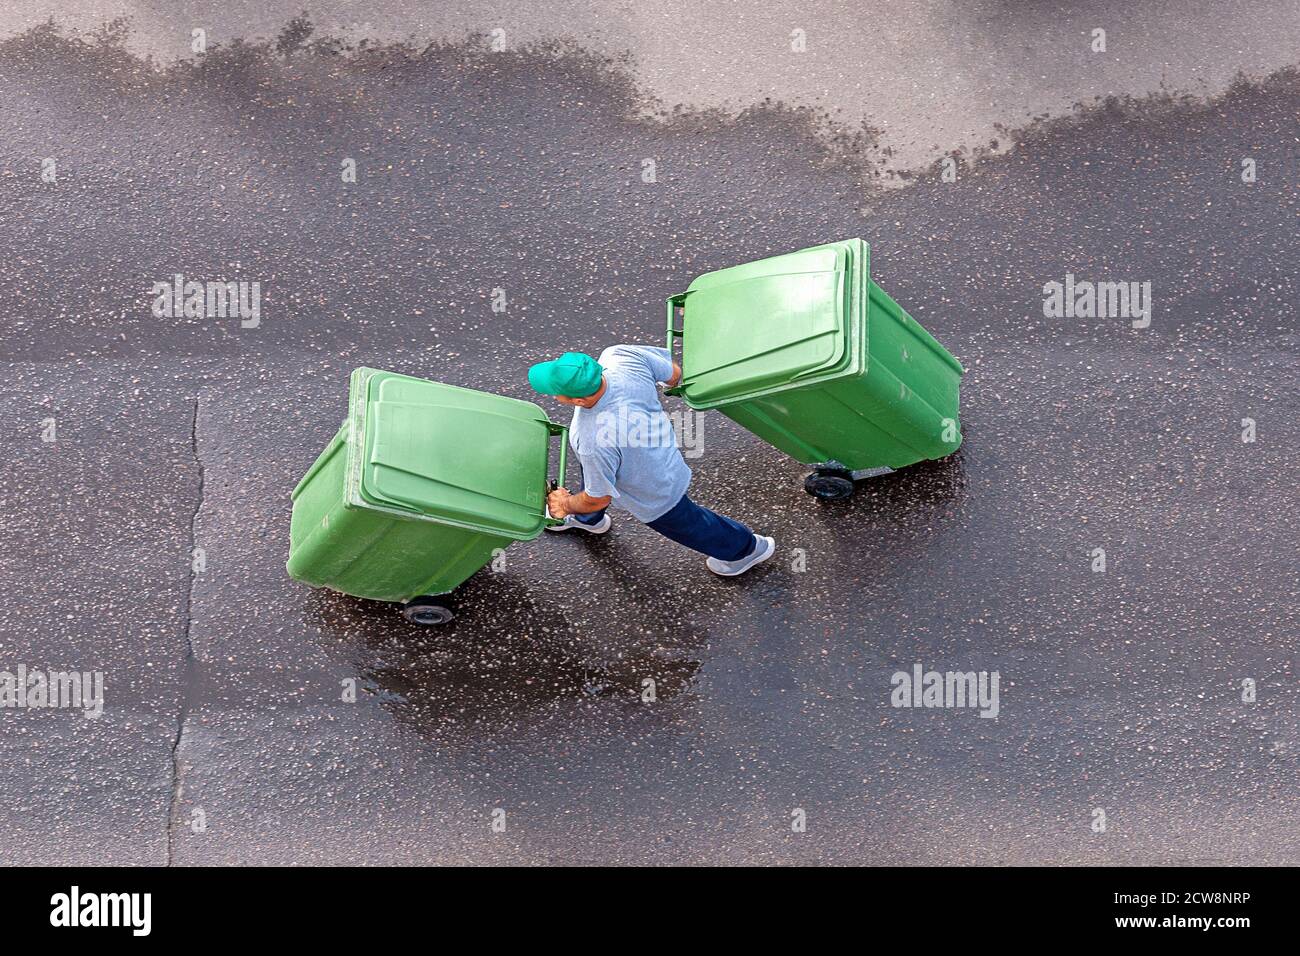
(419, 488)
(810, 355)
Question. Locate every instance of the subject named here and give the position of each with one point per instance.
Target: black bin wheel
(829, 484)
(428, 611)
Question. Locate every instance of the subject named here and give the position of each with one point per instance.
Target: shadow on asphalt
(509, 659)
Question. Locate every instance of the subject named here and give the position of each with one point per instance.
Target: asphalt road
(924, 76)
(1120, 691)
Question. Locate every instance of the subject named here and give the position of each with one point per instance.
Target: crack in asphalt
(189, 661)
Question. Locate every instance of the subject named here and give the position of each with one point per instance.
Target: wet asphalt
(225, 736)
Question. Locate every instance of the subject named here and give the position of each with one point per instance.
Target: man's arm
(657, 361)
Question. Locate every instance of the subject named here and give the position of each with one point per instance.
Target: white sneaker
(571, 523)
(764, 548)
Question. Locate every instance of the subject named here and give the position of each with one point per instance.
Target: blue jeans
(697, 528)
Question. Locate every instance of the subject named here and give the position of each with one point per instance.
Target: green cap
(572, 375)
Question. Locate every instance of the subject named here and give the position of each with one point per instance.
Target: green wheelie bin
(418, 489)
(810, 355)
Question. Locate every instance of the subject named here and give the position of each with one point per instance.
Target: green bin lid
(453, 455)
(766, 325)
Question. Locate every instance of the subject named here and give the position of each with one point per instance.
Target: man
(629, 456)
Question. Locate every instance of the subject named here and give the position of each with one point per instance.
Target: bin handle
(555, 428)
(675, 333)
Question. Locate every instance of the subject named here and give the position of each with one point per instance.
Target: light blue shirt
(626, 443)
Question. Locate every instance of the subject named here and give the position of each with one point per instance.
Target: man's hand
(557, 503)
(561, 504)
(677, 376)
